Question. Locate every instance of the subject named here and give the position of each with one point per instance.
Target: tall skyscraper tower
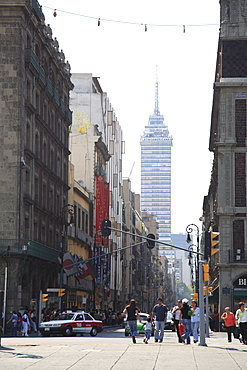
(156, 146)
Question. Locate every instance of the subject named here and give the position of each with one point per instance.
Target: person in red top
(230, 321)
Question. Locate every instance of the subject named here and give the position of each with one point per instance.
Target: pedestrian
(159, 313)
(148, 328)
(177, 318)
(13, 321)
(186, 320)
(230, 321)
(19, 324)
(25, 323)
(132, 313)
(195, 319)
(33, 322)
(241, 317)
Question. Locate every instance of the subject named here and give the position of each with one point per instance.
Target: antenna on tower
(156, 108)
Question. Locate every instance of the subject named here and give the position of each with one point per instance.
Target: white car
(71, 323)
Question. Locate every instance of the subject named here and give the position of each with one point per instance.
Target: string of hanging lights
(146, 25)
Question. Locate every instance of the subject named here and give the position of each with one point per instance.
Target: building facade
(97, 148)
(156, 144)
(225, 205)
(35, 122)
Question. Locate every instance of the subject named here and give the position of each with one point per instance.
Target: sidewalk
(111, 353)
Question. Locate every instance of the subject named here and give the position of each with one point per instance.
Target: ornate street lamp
(192, 264)
(190, 229)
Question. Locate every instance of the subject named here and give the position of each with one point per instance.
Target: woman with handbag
(177, 318)
(229, 320)
(186, 320)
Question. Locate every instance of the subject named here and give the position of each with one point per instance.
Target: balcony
(56, 97)
(10, 247)
(69, 116)
(42, 76)
(62, 105)
(37, 9)
(32, 59)
(49, 86)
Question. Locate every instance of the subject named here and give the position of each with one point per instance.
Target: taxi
(71, 323)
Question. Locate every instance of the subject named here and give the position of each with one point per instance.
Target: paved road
(110, 350)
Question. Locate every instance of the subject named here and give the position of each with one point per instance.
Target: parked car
(169, 325)
(140, 325)
(71, 323)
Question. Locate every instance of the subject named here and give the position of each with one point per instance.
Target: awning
(240, 293)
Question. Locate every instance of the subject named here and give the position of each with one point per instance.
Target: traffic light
(205, 267)
(214, 242)
(61, 292)
(194, 297)
(44, 297)
(105, 231)
(210, 290)
(151, 243)
(211, 240)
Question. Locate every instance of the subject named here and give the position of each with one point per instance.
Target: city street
(112, 350)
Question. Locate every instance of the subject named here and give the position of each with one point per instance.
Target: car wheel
(45, 334)
(94, 332)
(68, 331)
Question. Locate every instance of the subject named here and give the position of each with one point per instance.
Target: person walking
(25, 323)
(13, 320)
(132, 313)
(186, 320)
(241, 317)
(159, 313)
(177, 318)
(148, 328)
(230, 321)
(195, 319)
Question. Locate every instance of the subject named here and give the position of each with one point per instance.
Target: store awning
(240, 293)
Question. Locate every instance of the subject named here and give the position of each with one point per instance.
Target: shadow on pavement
(230, 349)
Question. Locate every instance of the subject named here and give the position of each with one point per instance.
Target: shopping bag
(181, 329)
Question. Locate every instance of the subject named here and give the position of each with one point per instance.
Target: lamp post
(189, 229)
(67, 216)
(192, 264)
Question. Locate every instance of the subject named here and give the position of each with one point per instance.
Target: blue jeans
(133, 327)
(194, 326)
(159, 330)
(147, 334)
(187, 327)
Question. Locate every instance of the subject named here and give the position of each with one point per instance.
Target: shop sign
(240, 282)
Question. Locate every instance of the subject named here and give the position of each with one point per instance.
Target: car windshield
(64, 316)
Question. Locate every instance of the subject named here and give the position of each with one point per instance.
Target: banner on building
(67, 262)
(85, 269)
(102, 207)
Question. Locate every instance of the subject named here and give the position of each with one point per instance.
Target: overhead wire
(145, 24)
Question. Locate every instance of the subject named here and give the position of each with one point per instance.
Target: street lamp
(192, 264)
(67, 217)
(189, 229)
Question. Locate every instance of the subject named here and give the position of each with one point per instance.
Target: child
(148, 328)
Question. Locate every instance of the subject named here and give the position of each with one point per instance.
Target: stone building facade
(35, 121)
(225, 205)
